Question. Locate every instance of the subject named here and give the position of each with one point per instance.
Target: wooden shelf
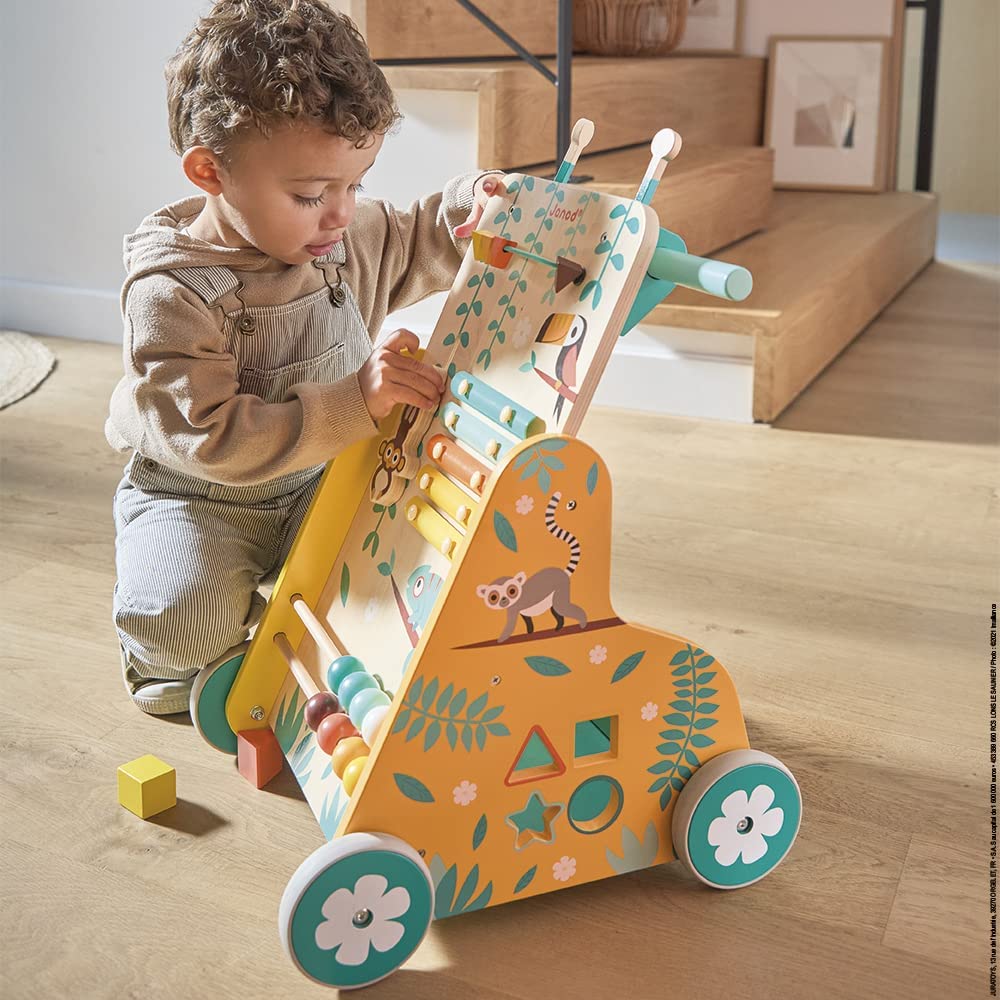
(708, 99)
(823, 269)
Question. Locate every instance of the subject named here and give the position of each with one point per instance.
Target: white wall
(86, 152)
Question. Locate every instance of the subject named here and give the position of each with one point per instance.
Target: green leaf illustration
(547, 666)
(413, 788)
(479, 832)
(345, 584)
(505, 533)
(525, 880)
(592, 479)
(627, 666)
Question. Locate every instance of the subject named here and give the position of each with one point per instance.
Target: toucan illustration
(569, 330)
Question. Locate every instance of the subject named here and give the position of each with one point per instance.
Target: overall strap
(209, 283)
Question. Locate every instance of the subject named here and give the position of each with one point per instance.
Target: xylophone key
(501, 409)
(445, 495)
(476, 433)
(458, 463)
(432, 526)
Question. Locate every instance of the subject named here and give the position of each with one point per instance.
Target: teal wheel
(208, 699)
(356, 909)
(736, 818)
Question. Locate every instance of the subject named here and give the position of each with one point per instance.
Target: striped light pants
(190, 556)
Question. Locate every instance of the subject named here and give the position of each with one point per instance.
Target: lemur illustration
(546, 590)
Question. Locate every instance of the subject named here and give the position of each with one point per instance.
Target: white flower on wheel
(743, 825)
(360, 920)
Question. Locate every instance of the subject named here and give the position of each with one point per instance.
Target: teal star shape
(534, 821)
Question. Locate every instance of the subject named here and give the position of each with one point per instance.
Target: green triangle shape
(534, 754)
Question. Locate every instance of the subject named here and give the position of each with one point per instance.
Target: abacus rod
(296, 666)
(530, 256)
(324, 637)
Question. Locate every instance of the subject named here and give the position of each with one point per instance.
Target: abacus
(469, 719)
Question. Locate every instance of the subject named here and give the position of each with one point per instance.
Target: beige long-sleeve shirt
(179, 402)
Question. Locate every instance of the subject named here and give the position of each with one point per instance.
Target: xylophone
(467, 716)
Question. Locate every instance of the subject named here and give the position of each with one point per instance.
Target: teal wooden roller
(499, 408)
(469, 429)
(727, 281)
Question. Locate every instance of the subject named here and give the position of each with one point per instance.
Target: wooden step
(710, 196)
(826, 265)
(441, 29)
(709, 100)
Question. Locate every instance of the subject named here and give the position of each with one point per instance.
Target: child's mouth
(321, 250)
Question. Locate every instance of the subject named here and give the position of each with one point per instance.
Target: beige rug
(24, 364)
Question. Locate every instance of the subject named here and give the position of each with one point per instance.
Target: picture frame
(714, 27)
(827, 112)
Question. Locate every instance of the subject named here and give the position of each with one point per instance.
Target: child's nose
(338, 215)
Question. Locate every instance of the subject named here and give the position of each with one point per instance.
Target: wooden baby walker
(468, 718)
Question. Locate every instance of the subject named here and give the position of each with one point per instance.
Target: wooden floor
(841, 564)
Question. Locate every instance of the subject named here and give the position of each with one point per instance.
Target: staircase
(824, 264)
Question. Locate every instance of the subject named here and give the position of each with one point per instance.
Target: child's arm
(397, 257)
(179, 402)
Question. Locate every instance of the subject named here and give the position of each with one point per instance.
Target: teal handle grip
(727, 281)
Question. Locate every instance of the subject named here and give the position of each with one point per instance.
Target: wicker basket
(628, 27)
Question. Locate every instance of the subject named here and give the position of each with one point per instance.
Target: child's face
(293, 195)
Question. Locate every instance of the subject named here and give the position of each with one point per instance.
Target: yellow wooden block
(147, 786)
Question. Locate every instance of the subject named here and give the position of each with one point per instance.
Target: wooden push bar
(445, 495)
(501, 409)
(458, 463)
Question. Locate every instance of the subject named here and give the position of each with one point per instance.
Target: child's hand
(389, 377)
(486, 187)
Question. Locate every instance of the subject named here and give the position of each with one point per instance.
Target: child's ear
(203, 169)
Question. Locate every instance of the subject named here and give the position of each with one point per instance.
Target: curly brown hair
(250, 66)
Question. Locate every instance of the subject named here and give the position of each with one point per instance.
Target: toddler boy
(249, 314)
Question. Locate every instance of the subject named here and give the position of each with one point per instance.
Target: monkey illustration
(547, 590)
(421, 591)
(391, 456)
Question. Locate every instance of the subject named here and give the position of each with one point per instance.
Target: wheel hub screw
(362, 918)
(257, 713)
(745, 825)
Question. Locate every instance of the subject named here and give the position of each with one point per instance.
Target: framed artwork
(827, 116)
(713, 26)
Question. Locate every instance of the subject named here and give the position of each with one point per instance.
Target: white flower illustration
(743, 825)
(464, 793)
(649, 710)
(364, 919)
(598, 654)
(525, 504)
(371, 610)
(564, 869)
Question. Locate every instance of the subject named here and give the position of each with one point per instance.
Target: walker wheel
(356, 909)
(736, 818)
(208, 699)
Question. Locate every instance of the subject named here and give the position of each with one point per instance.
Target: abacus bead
(352, 772)
(318, 707)
(345, 751)
(332, 730)
(351, 685)
(339, 669)
(372, 723)
(364, 701)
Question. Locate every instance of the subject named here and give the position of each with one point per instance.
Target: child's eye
(356, 188)
(311, 202)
